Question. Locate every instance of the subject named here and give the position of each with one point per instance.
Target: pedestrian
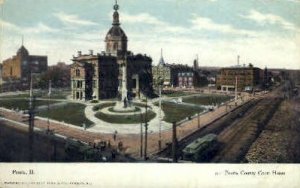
(120, 145)
(115, 135)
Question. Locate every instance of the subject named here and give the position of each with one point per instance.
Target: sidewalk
(105, 127)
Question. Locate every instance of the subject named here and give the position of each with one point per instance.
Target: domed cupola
(23, 52)
(116, 39)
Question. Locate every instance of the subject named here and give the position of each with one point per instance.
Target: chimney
(238, 60)
(79, 53)
(91, 52)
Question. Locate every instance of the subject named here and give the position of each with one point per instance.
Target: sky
(265, 33)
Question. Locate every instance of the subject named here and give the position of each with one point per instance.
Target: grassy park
(21, 104)
(206, 99)
(125, 119)
(177, 112)
(55, 94)
(72, 113)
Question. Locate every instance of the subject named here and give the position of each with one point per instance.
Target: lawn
(21, 104)
(103, 105)
(55, 94)
(207, 99)
(136, 109)
(125, 119)
(177, 112)
(72, 113)
(176, 93)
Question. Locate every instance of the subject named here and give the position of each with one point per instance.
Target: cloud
(8, 25)
(141, 18)
(271, 19)
(41, 28)
(295, 1)
(157, 25)
(202, 23)
(72, 19)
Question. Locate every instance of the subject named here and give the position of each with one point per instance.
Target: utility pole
(159, 140)
(141, 149)
(198, 120)
(236, 85)
(146, 130)
(31, 120)
(49, 97)
(174, 144)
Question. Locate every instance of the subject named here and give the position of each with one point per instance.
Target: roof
(197, 143)
(116, 32)
(22, 51)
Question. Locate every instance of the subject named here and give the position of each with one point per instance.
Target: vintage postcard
(137, 93)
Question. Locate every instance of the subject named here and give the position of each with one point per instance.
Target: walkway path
(130, 141)
(105, 127)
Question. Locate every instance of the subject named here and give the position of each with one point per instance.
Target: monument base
(119, 107)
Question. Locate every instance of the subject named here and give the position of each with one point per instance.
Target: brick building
(170, 74)
(20, 66)
(247, 78)
(98, 76)
(186, 80)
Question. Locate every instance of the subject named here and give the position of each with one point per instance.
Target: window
(79, 84)
(115, 46)
(94, 84)
(77, 72)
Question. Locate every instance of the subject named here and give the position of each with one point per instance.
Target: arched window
(115, 46)
(77, 72)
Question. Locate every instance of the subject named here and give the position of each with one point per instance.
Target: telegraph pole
(159, 140)
(49, 97)
(236, 84)
(146, 129)
(31, 121)
(141, 149)
(174, 144)
(198, 120)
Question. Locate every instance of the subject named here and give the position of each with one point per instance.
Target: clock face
(116, 7)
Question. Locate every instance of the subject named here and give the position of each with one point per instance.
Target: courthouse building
(98, 76)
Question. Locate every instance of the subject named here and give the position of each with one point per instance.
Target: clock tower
(116, 39)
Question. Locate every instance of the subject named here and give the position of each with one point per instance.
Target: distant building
(162, 72)
(20, 66)
(186, 80)
(247, 78)
(99, 76)
(174, 75)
